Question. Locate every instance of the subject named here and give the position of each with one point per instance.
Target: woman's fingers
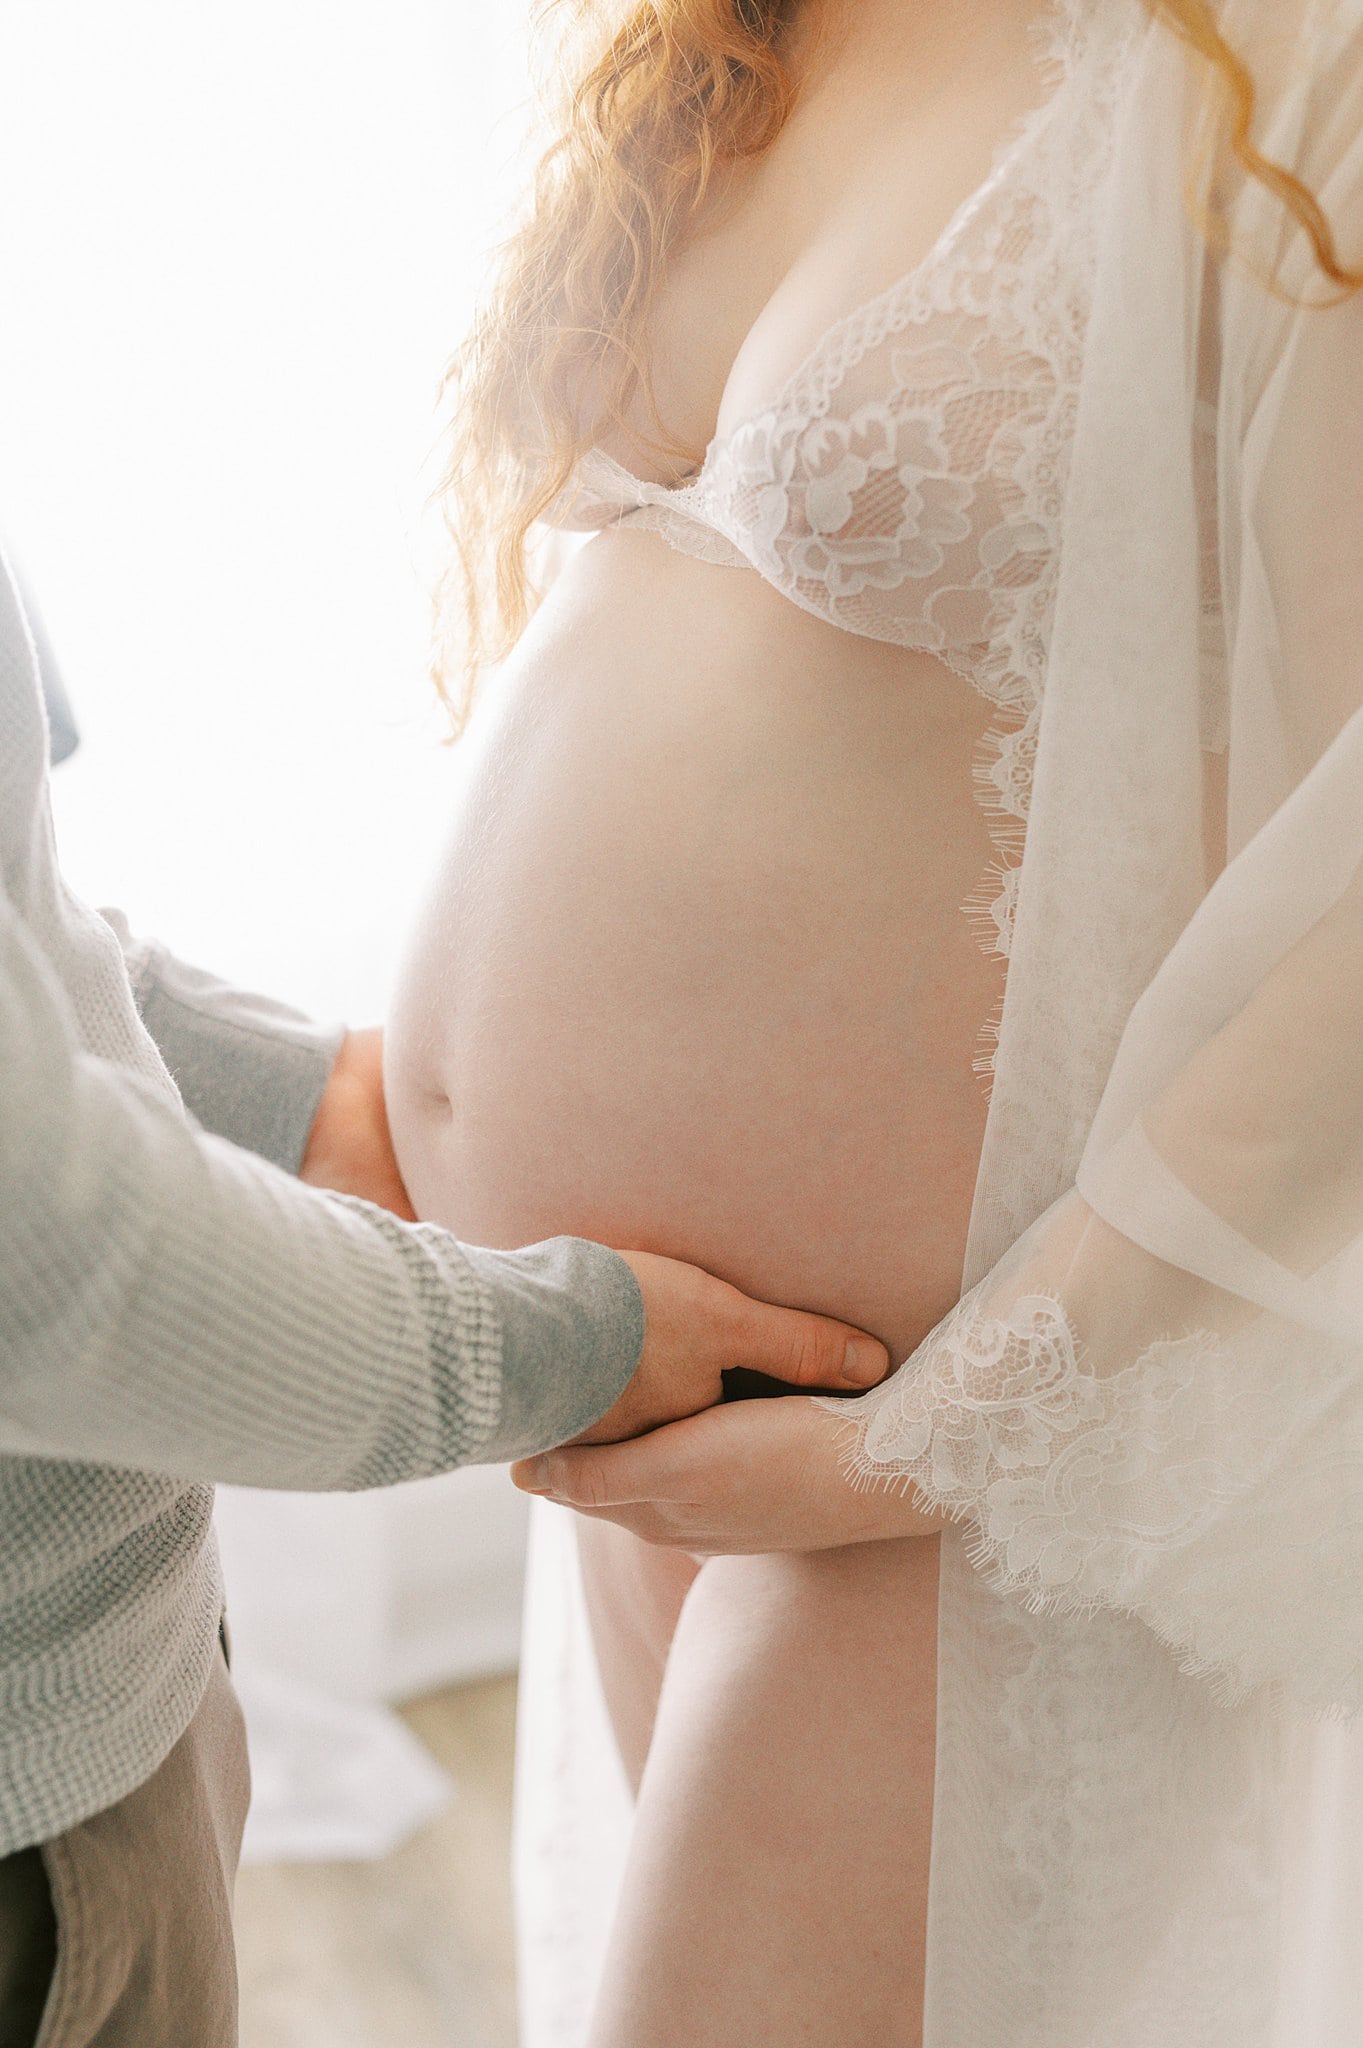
(589, 1476)
(750, 1476)
(753, 1475)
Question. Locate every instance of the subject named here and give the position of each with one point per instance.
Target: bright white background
(236, 245)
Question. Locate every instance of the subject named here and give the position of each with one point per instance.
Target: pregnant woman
(909, 865)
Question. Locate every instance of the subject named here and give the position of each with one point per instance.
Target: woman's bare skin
(695, 979)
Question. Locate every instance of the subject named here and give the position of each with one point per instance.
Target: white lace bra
(906, 482)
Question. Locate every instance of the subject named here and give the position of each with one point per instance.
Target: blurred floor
(414, 1951)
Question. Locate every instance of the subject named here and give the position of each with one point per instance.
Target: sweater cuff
(572, 1329)
(248, 1069)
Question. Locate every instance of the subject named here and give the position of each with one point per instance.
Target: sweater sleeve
(247, 1068)
(172, 1303)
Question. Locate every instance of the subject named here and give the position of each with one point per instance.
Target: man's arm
(173, 1303)
(168, 1301)
(307, 1096)
(247, 1068)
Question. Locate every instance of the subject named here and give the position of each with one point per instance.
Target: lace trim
(1062, 38)
(1155, 1490)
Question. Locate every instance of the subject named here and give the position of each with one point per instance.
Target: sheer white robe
(1147, 1414)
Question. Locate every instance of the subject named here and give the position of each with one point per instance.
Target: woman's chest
(891, 455)
(888, 140)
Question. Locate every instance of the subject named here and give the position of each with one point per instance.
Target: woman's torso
(695, 974)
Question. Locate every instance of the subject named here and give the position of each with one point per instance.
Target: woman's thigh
(777, 1887)
(634, 1593)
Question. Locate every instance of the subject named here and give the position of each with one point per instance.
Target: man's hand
(752, 1476)
(697, 1327)
(349, 1147)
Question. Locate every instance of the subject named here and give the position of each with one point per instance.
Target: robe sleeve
(1154, 1402)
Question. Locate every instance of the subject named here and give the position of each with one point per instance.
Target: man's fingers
(808, 1350)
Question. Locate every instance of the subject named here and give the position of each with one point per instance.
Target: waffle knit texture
(176, 1309)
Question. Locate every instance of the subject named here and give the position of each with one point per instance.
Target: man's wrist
(350, 1147)
(572, 1320)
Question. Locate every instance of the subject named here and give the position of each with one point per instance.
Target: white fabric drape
(1147, 1412)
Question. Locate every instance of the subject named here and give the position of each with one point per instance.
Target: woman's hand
(697, 1327)
(349, 1146)
(750, 1476)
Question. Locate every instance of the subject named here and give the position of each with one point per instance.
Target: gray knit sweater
(175, 1309)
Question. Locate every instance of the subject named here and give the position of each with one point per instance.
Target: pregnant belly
(693, 976)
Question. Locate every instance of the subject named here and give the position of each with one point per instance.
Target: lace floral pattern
(907, 482)
(1132, 1490)
(998, 1418)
